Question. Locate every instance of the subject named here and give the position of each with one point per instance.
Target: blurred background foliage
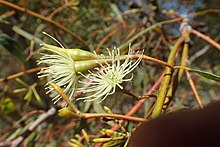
(100, 24)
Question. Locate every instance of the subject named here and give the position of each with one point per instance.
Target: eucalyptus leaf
(13, 47)
(27, 35)
(206, 74)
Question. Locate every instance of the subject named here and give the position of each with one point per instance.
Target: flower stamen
(104, 81)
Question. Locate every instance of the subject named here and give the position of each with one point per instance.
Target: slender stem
(64, 96)
(150, 112)
(86, 136)
(207, 39)
(138, 97)
(73, 113)
(58, 25)
(148, 96)
(198, 99)
(184, 59)
(20, 74)
(57, 10)
(182, 67)
(105, 39)
(26, 116)
(175, 80)
(148, 58)
(125, 91)
(204, 12)
(117, 116)
(144, 57)
(166, 80)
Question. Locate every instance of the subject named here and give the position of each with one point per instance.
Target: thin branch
(64, 96)
(105, 39)
(182, 67)
(150, 112)
(125, 91)
(207, 39)
(204, 12)
(148, 96)
(184, 59)
(117, 116)
(198, 99)
(148, 58)
(26, 116)
(78, 114)
(60, 9)
(20, 74)
(144, 57)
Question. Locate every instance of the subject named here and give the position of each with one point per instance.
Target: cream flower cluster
(101, 82)
(61, 70)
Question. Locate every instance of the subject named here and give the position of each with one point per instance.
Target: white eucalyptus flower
(104, 81)
(61, 71)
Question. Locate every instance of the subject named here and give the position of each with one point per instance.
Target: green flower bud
(66, 112)
(75, 54)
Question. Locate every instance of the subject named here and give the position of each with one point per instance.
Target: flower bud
(75, 54)
(66, 112)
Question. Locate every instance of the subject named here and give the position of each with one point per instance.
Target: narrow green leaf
(207, 74)
(36, 94)
(13, 47)
(27, 35)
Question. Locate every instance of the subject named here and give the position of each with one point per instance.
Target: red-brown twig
(105, 39)
(28, 115)
(206, 38)
(198, 99)
(117, 116)
(78, 114)
(20, 74)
